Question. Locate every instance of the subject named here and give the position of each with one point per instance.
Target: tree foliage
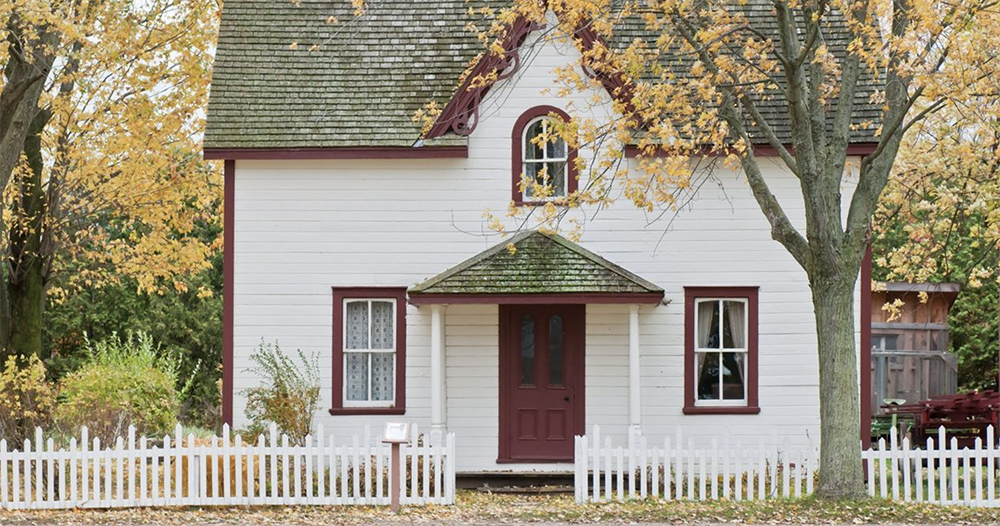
(939, 221)
(109, 181)
(699, 88)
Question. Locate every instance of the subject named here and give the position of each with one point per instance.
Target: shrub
(26, 399)
(288, 395)
(125, 382)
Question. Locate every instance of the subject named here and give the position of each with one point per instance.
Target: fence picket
(690, 470)
(991, 451)
(297, 474)
(702, 478)
(954, 469)
(654, 486)
(715, 468)
(643, 463)
(667, 463)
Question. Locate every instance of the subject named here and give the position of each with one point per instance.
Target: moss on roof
(359, 82)
(540, 264)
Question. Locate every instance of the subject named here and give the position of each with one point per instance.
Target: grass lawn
(478, 508)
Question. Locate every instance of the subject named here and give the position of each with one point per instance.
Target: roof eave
(572, 298)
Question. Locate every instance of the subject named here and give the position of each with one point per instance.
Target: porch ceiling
(541, 268)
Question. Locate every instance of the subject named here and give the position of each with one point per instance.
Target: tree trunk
(840, 475)
(26, 290)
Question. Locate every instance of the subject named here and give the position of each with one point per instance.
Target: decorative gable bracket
(461, 115)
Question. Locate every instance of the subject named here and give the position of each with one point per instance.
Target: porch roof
(541, 268)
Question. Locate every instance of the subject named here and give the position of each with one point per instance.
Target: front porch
(531, 342)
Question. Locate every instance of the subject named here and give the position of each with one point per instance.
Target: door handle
(565, 399)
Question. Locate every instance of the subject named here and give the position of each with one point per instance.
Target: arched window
(541, 157)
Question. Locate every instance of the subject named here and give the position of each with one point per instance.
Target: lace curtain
(370, 376)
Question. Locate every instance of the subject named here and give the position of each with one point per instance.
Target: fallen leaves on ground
(485, 508)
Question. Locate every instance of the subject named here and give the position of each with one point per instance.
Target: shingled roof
(540, 264)
(358, 83)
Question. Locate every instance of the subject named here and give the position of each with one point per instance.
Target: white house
(352, 236)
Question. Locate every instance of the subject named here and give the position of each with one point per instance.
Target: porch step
(515, 482)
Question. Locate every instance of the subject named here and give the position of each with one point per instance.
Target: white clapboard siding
(682, 469)
(223, 471)
(938, 471)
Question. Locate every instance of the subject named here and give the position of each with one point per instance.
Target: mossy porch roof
(539, 264)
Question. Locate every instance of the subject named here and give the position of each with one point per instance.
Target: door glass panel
(527, 350)
(556, 350)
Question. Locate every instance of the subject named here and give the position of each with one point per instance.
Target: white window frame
(525, 147)
(745, 350)
(346, 351)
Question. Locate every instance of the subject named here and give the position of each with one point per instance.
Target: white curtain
(383, 376)
(736, 311)
(736, 318)
(357, 376)
(356, 325)
(706, 310)
(382, 325)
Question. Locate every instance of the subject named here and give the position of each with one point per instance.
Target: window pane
(708, 376)
(382, 325)
(733, 375)
(357, 376)
(557, 178)
(532, 150)
(708, 325)
(356, 327)
(532, 175)
(734, 325)
(556, 350)
(556, 148)
(527, 350)
(383, 377)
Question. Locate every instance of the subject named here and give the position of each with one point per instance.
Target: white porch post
(438, 403)
(634, 391)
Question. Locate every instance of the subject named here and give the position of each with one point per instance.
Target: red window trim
(690, 295)
(339, 295)
(572, 173)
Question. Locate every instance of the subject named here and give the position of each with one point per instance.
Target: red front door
(541, 381)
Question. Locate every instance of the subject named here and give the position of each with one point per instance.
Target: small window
(721, 350)
(543, 166)
(369, 351)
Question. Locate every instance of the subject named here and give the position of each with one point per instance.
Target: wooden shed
(910, 358)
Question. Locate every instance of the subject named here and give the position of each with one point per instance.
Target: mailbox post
(395, 434)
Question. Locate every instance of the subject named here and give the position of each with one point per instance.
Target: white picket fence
(223, 472)
(938, 472)
(679, 470)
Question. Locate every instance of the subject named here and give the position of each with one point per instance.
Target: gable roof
(363, 83)
(541, 264)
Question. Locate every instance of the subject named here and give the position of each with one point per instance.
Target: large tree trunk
(25, 73)
(840, 475)
(26, 290)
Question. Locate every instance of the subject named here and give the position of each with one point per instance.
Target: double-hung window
(369, 350)
(720, 350)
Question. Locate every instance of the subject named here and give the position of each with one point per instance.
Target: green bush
(125, 382)
(288, 395)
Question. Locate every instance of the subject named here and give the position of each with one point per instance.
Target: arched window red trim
(517, 166)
